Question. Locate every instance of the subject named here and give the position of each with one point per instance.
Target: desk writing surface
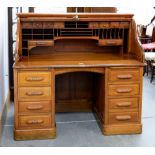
(77, 59)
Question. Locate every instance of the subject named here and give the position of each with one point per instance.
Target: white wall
(4, 79)
(1, 60)
(142, 15)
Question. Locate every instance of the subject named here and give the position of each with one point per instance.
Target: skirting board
(122, 129)
(49, 133)
(3, 115)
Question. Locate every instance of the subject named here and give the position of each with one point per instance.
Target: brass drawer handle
(35, 121)
(33, 93)
(123, 118)
(35, 107)
(126, 90)
(34, 78)
(127, 76)
(124, 104)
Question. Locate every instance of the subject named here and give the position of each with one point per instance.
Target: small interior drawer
(38, 43)
(114, 24)
(34, 93)
(59, 25)
(93, 25)
(123, 75)
(123, 90)
(110, 42)
(123, 104)
(33, 107)
(47, 25)
(124, 25)
(27, 25)
(37, 25)
(34, 78)
(35, 121)
(121, 118)
(104, 24)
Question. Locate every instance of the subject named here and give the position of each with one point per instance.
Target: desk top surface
(77, 60)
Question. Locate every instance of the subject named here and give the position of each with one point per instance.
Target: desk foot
(122, 129)
(30, 134)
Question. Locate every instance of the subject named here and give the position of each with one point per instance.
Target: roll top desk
(76, 63)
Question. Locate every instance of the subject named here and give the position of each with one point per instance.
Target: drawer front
(93, 25)
(37, 25)
(27, 25)
(123, 75)
(114, 24)
(33, 78)
(104, 24)
(124, 24)
(47, 25)
(36, 121)
(123, 90)
(59, 25)
(123, 103)
(34, 93)
(35, 43)
(119, 118)
(39, 106)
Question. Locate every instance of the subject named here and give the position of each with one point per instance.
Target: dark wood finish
(70, 63)
(31, 9)
(153, 34)
(92, 9)
(152, 71)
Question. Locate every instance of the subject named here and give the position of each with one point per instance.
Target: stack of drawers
(123, 108)
(35, 112)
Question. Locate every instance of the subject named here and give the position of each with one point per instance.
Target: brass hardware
(76, 18)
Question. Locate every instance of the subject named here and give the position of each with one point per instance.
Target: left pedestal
(34, 104)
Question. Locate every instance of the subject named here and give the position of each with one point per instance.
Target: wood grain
(82, 62)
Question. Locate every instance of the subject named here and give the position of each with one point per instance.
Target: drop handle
(124, 90)
(34, 78)
(33, 93)
(127, 76)
(124, 104)
(123, 118)
(33, 121)
(35, 107)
